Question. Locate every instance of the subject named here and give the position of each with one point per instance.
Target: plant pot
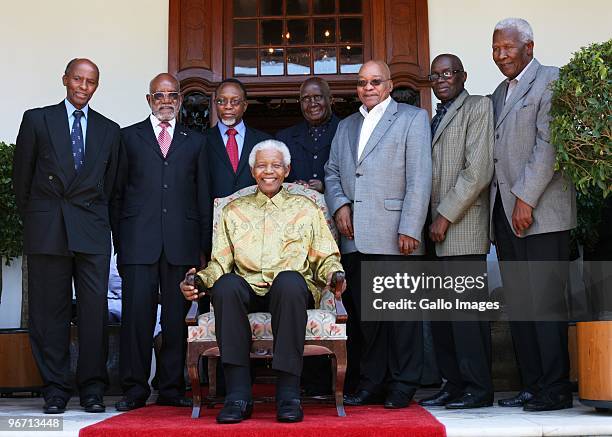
(18, 371)
(595, 364)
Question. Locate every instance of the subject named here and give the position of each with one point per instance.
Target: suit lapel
(217, 145)
(450, 114)
(180, 135)
(353, 134)
(381, 128)
(247, 146)
(59, 132)
(94, 140)
(523, 88)
(146, 132)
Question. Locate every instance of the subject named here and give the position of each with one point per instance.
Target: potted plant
(581, 132)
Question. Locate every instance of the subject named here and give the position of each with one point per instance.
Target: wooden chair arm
(192, 316)
(341, 314)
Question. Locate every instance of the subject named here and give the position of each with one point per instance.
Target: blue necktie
(76, 135)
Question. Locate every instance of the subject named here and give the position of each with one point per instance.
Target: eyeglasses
(158, 96)
(233, 102)
(445, 75)
(361, 83)
(317, 98)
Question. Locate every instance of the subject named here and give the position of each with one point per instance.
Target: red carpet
(319, 420)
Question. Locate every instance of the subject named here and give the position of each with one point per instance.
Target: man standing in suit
(63, 174)
(462, 167)
(534, 210)
(230, 141)
(310, 140)
(161, 222)
(378, 182)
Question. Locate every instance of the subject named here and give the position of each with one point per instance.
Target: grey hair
(518, 24)
(276, 145)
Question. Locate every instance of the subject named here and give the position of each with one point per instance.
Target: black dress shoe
(470, 400)
(439, 399)
(93, 404)
(398, 399)
(289, 411)
(362, 397)
(179, 401)
(127, 404)
(547, 401)
(55, 405)
(516, 401)
(235, 411)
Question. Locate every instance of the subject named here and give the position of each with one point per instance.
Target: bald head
(374, 85)
(381, 65)
(454, 60)
(447, 77)
(321, 83)
(79, 61)
(164, 97)
(163, 77)
(81, 81)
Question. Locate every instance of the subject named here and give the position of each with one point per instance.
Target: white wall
(10, 305)
(560, 27)
(128, 40)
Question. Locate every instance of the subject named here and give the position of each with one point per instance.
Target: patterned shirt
(258, 237)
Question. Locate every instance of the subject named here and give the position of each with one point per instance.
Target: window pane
(350, 6)
(245, 8)
(351, 59)
(270, 7)
(325, 30)
(298, 61)
(350, 30)
(324, 6)
(271, 32)
(297, 7)
(245, 32)
(245, 62)
(272, 62)
(298, 32)
(325, 61)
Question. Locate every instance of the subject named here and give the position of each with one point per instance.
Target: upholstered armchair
(325, 329)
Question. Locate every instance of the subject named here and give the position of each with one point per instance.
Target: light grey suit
(388, 187)
(524, 158)
(462, 155)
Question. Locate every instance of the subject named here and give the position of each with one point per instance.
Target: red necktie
(232, 148)
(163, 138)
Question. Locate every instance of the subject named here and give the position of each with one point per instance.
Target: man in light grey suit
(534, 209)
(378, 181)
(462, 158)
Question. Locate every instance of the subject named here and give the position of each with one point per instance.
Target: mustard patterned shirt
(257, 237)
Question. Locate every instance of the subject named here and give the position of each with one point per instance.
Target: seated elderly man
(271, 251)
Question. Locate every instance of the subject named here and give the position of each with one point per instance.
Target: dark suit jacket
(161, 203)
(308, 157)
(223, 180)
(64, 211)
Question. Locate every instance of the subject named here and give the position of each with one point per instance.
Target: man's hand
(302, 182)
(407, 244)
(332, 284)
(437, 230)
(344, 222)
(521, 217)
(315, 184)
(188, 289)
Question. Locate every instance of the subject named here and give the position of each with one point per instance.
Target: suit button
(165, 185)
(50, 177)
(495, 160)
(166, 163)
(494, 184)
(164, 210)
(314, 175)
(315, 157)
(497, 136)
(357, 175)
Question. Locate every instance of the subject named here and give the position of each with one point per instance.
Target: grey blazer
(388, 188)
(524, 158)
(462, 158)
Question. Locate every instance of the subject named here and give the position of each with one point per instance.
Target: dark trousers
(463, 348)
(142, 284)
(391, 352)
(541, 347)
(50, 297)
(287, 301)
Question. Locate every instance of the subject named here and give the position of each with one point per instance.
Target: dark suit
(223, 180)
(66, 236)
(308, 157)
(161, 220)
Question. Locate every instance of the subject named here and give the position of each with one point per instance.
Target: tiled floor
(494, 421)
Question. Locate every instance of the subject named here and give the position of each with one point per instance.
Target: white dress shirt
(512, 84)
(370, 120)
(70, 108)
(157, 128)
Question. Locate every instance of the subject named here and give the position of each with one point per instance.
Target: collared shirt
(513, 83)
(371, 119)
(157, 128)
(70, 108)
(258, 237)
(241, 132)
(441, 110)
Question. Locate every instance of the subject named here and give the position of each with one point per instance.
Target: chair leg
(193, 367)
(212, 378)
(339, 373)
